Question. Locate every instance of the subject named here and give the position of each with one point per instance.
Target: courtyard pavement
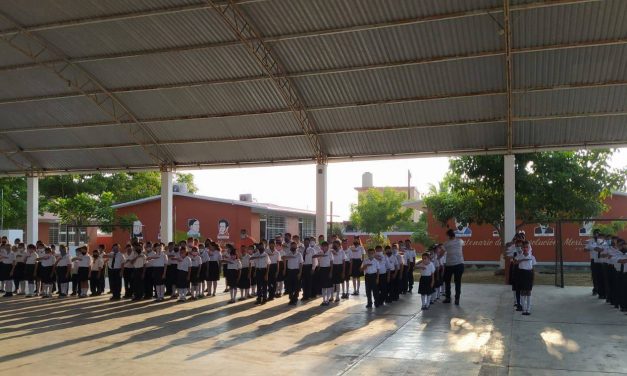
(568, 333)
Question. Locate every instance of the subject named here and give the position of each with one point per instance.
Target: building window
(274, 225)
(306, 227)
(53, 233)
(66, 233)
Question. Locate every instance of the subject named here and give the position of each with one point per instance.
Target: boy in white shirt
(370, 268)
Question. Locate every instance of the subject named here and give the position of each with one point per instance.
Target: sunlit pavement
(569, 332)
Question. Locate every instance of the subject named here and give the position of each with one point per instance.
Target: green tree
(421, 233)
(187, 179)
(379, 211)
(336, 229)
(549, 186)
(13, 202)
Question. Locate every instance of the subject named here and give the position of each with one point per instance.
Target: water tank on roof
(366, 180)
(246, 197)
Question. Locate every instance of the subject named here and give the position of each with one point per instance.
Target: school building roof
(129, 85)
(257, 207)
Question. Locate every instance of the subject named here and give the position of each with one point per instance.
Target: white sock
(337, 292)
(9, 286)
(433, 297)
(22, 287)
(31, 288)
(83, 291)
(529, 303)
(523, 302)
(64, 288)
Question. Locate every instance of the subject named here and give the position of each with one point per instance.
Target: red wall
(207, 212)
(482, 246)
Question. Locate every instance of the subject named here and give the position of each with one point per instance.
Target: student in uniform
(347, 269)
(400, 275)
(525, 262)
(622, 260)
(62, 270)
(29, 270)
(433, 258)
(308, 269)
(18, 274)
(84, 268)
(148, 273)
(46, 264)
(593, 248)
(195, 272)
(325, 260)
(370, 267)
(262, 270)
(383, 268)
(253, 272)
(356, 254)
(244, 279)
(159, 271)
(183, 273)
(115, 266)
(7, 265)
(273, 272)
(338, 269)
(224, 256)
(281, 265)
(427, 280)
(138, 261)
(390, 295)
(170, 274)
(127, 272)
(410, 254)
(95, 272)
(440, 277)
(204, 269)
(233, 271)
(215, 258)
(294, 264)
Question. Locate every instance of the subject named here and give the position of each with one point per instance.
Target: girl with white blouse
(427, 279)
(356, 253)
(183, 273)
(97, 265)
(159, 261)
(244, 280)
(138, 260)
(62, 269)
(46, 262)
(325, 260)
(195, 272)
(84, 267)
(233, 271)
(524, 283)
(30, 269)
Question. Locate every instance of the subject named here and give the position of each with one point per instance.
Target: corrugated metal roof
(378, 78)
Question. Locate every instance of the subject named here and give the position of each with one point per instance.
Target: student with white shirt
(170, 272)
(62, 270)
(195, 272)
(138, 260)
(338, 269)
(309, 263)
(159, 260)
(84, 267)
(29, 270)
(97, 265)
(253, 271)
(370, 268)
(262, 270)
(7, 264)
(427, 280)
(400, 270)
(204, 269)
(325, 261)
(148, 272)
(346, 275)
(273, 270)
(46, 262)
(525, 262)
(18, 274)
(294, 267)
(593, 247)
(183, 273)
(356, 254)
(392, 261)
(282, 271)
(127, 271)
(244, 280)
(410, 254)
(215, 258)
(115, 266)
(233, 271)
(622, 269)
(433, 258)
(383, 268)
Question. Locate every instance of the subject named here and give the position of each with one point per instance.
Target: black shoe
(519, 308)
(8, 295)
(369, 305)
(447, 300)
(264, 301)
(258, 301)
(114, 298)
(456, 301)
(526, 313)
(303, 299)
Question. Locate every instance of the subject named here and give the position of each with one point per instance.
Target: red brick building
(218, 219)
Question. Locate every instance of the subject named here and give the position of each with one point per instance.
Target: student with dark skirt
(7, 264)
(127, 273)
(84, 268)
(356, 253)
(427, 280)
(253, 271)
(46, 264)
(525, 276)
(224, 256)
(325, 262)
(244, 280)
(370, 267)
(159, 261)
(273, 271)
(195, 272)
(97, 266)
(62, 271)
(512, 253)
(213, 269)
(337, 268)
(347, 269)
(262, 261)
(170, 274)
(18, 274)
(183, 273)
(233, 271)
(204, 270)
(29, 269)
(139, 270)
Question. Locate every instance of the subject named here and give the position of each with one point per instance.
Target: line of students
(608, 256)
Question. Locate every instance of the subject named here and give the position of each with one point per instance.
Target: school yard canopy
(91, 85)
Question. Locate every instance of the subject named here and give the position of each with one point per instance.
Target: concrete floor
(569, 332)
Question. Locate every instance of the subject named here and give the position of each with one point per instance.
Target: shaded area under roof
(375, 78)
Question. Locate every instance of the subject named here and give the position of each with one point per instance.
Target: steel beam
(83, 82)
(273, 68)
(286, 136)
(507, 37)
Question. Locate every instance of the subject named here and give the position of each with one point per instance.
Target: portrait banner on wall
(543, 230)
(193, 228)
(223, 229)
(462, 230)
(138, 229)
(586, 228)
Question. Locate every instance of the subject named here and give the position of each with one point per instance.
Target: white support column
(32, 210)
(167, 201)
(509, 190)
(321, 200)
